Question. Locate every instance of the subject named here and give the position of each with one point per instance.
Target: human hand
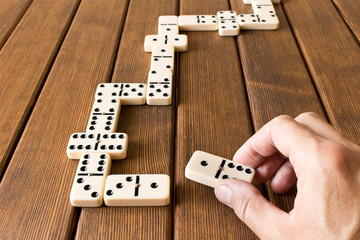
(326, 167)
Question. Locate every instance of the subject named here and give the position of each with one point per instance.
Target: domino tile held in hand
(162, 58)
(168, 25)
(228, 24)
(198, 23)
(208, 169)
(159, 88)
(104, 115)
(128, 93)
(179, 42)
(89, 182)
(255, 22)
(115, 144)
(137, 190)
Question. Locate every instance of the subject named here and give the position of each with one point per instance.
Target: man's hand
(326, 167)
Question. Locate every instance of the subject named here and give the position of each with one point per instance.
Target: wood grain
(215, 106)
(150, 130)
(350, 11)
(24, 62)
(35, 190)
(277, 80)
(11, 11)
(336, 73)
(212, 116)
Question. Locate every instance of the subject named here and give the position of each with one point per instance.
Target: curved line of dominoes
(99, 144)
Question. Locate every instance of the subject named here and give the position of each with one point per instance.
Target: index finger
(284, 135)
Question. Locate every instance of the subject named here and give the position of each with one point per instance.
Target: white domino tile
(179, 42)
(89, 182)
(209, 169)
(159, 94)
(263, 8)
(137, 190)
(248, 21)
(128, 93)
(160, 76)
(162, 58)
(159, 88)
(273, 1)
(255, 22)
(198, 23)
(104, 115)
(168, 25)
(264, 17)
(228, 24)
(115, 144)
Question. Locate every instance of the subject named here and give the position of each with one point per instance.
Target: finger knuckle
(306, 116)
(340, 153)
(336, 154)
(282, 119)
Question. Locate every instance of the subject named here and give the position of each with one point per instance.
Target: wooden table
(55, 52)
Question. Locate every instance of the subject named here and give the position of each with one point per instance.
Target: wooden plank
(350, 10)
(11, 12)
(24, 62)
(35, 190)
(213, 116)
(333, 58)
(150, 130)
(277, 80)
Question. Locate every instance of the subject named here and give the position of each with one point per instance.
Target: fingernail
(223, 193)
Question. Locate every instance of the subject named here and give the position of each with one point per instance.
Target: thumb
(261, 216)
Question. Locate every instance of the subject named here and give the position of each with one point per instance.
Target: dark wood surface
(212, 115)
(276, 79)
(11, 12)
(25, 61)
(54, 53)
(36, 185)
(151, 135)
(350, 12)
(333, 59)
